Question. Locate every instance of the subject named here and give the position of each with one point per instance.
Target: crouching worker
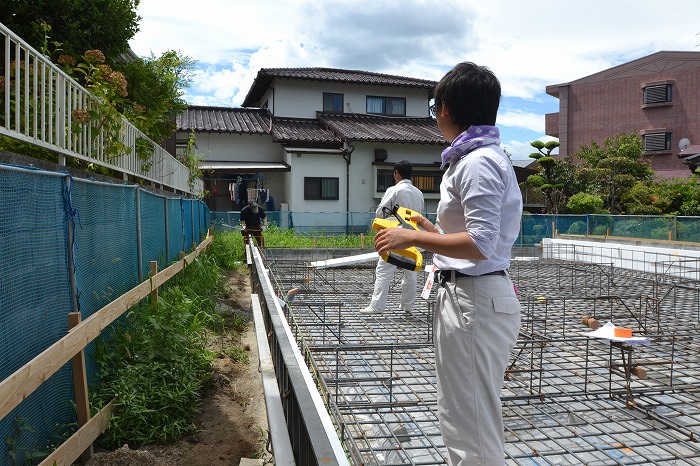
(253, 217)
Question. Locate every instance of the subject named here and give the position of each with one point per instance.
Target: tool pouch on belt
(410, 258)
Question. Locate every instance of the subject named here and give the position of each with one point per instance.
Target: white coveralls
(405, 195)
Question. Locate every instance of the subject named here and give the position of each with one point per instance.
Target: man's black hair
(404, 168)
(471, 93)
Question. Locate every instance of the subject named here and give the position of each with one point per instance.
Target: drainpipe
(347, 155)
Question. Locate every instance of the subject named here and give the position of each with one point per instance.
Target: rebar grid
(568, 398)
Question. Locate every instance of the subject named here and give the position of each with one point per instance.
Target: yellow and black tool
(410, 258)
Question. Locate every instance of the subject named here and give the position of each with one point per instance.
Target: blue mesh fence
(34, 302)
(176, 238)
(36, 209)
(153, 239)
(187, 221)
(534, 227)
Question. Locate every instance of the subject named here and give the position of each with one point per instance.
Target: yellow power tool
(410, 258)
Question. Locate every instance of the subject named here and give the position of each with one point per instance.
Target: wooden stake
(82, 403)
(154, 271)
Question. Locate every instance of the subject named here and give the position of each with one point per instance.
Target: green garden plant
(156, 362)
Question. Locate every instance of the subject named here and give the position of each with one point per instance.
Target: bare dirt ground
(232, 421)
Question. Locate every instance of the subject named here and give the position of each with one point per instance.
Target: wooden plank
(29, 377)
(80, 388)
(71, 449)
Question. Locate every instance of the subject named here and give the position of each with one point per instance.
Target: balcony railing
(37, 101)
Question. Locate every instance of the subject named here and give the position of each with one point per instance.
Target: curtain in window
(329, 188)
(375, 105)
(397, 107)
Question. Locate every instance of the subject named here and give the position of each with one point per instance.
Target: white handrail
(38, 99)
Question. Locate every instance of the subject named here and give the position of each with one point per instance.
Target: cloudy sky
(528, 44)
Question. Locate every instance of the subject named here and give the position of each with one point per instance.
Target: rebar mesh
(568, 398)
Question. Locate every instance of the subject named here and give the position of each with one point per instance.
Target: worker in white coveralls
(403, 194)
(477, 313)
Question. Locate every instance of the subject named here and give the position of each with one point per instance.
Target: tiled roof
(306, 131)
(384, 129)
(329, 129)
(266, 75)
(224, 120)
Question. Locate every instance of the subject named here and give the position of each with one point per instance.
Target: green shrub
(577, 228)
(584, 203)
(600, 230)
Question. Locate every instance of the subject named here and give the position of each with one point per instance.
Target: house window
(391, 106)
(425, 180)
(316, 188)
(657, 94)
(656, 142)
(332, 103)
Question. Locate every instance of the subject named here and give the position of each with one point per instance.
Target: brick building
(657, 96)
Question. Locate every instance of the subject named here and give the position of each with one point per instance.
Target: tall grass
(156, 363)
(276, 237)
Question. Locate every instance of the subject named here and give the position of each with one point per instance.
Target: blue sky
(528, 44)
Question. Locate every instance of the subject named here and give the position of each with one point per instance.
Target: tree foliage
(155, 86)
(77, 25)
(614, 178)
(612, 170)
(551, 180)
(88, 40)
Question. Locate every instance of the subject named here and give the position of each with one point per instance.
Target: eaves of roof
(328, 130)
(651, 64)
(308, 132)
(265, 77)
(224, 120)
(371, 128)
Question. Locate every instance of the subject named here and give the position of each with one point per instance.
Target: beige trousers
(476, 325)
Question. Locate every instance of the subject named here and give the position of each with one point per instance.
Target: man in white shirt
(403, 194)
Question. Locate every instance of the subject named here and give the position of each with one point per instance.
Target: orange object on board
(623, 332)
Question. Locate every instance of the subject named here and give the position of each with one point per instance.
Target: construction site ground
(568, 398)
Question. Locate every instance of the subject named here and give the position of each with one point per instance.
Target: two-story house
(317, 140)
(657, 97)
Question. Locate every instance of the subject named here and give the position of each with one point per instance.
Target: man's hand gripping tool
(410, 258)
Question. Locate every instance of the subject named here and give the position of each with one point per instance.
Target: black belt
(446, 275)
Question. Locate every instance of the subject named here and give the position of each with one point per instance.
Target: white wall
(316, 165)
(302, 99)
(363, 181)
(670, 261)
(226, 147)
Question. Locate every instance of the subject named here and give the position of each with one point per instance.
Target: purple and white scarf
(473, 137)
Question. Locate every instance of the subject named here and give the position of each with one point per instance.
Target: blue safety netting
(34, 303)
(153, 231)
(117, 230)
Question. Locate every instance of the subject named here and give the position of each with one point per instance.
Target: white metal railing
(37, 100)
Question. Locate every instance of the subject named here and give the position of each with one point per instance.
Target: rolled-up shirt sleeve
(481, 196)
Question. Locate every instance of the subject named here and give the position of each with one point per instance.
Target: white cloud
(521, 149)
(520, 119)
(529, 45)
